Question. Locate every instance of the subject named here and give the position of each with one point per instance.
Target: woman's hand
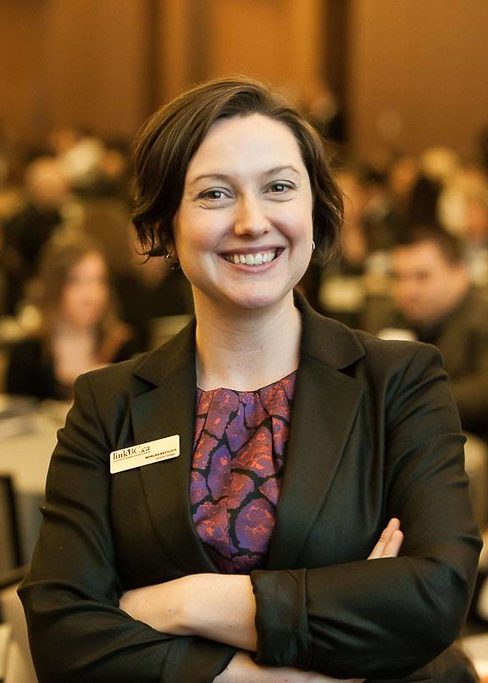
(242, 669)
(390, 541)
(219, 607)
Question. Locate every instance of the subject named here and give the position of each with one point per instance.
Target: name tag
(144, 454)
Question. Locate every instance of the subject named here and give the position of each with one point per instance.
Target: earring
(313, 245)
(172, 260)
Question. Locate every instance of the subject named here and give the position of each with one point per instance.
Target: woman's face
(85, 293)
(243, 231)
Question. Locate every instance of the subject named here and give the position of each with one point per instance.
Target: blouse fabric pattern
(238, 459)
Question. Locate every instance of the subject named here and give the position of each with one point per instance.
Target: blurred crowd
(75, 294)
(74, 291)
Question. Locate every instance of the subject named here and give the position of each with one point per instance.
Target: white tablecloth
(26, 444)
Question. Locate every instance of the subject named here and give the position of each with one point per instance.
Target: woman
(80, 330)
(225, 546)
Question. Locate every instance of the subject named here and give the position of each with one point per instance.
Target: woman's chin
(256, 300)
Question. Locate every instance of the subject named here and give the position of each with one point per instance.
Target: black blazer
(374, 434)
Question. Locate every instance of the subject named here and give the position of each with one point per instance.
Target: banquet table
(26, 443)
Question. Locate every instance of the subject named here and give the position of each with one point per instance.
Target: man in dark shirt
(433, 301)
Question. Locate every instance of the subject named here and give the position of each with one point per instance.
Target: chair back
(10, 555)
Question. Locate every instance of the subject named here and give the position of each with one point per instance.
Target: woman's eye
(279, 187)
(215, 194)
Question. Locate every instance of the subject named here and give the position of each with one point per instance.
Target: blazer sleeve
(388, 617)
(77, 633)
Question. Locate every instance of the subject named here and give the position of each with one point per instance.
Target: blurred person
(423, 204)
(339, 283)
(402, 178)
(437, 167)
(63, 139)
(80, 329)
(3, 277)
(476, 217)
(79, 154)
(95, 167)
(402, 175)
(151, 289)
(470, 181)
(324, 110)
(373, 223)
(383, 214)
(476, 234)
(439, 164)
(227, 507)
(26, 232)
(354, 241)
(113, 172)
(107, 221)
(464, 212)
(434, 301)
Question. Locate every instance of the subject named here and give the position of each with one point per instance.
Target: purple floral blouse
(238, 458)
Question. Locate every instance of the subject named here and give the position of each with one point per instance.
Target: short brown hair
(166, 144)
(450, 246)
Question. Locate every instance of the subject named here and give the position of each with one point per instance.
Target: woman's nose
(250, 218)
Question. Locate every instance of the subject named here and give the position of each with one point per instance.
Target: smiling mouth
(256, 259)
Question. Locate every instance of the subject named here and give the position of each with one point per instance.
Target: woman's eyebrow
(280, 169)
(228, 177)
(210, 176)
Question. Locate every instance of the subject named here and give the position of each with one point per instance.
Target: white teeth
(252, 259)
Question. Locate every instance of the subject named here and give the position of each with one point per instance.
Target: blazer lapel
(164, 409)
(325, 405)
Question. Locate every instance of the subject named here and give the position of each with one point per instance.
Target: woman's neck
(246, 350)
(69, 329)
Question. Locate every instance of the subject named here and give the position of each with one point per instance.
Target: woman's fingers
(390, 541)
(393, 546)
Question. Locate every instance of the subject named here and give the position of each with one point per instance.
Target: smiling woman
(267, 548)
(243, 231)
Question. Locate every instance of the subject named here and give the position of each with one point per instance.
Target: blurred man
(26, 232)
(435, 302)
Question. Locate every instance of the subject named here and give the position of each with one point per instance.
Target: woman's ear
(171, 255)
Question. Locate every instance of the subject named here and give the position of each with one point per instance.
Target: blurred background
(405, 73)
(397, 87)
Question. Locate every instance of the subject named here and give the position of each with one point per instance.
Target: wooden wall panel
(174, 46)
(21, 53)
(421, 66)
(273, 40)
(277, 41)
(95, 71)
